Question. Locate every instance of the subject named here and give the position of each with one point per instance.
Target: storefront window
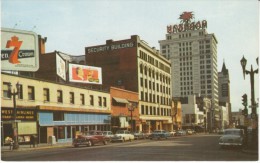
(61, 132)
(68, 132)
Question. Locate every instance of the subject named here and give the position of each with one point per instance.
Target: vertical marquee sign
(186, 24)
(19, 50)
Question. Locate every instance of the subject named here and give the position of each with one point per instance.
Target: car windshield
(232, 132)
(120, 132)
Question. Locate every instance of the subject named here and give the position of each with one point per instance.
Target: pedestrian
(11, 144)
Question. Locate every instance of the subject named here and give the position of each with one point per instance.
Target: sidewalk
(39, 146)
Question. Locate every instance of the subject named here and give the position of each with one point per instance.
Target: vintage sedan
(158, 134)
(122, 135)
(232, 137)
(139, 135)
(108, 134)
(90, 138)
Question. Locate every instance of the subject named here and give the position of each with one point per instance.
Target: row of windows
(163, 100)
(102, 101)
(154, 62)
(160, 88)
(145, 110)
(151, 73)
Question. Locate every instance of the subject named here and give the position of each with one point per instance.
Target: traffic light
(244, 100)
(245, 112)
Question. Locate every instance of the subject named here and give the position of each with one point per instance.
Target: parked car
(147, 135)
(108, 134)
(189, 131)
(158, 134)
(172, 133)
(181, 133)
(139, 135)
(232, 137)
(122, 135)
(90, 138)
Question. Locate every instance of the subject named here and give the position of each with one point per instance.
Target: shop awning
(121, 100)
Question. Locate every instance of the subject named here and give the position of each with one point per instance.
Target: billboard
(19, 50)
(85, 74)
(60, 67)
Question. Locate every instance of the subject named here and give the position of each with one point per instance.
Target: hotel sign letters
(110, 47)
(187, 27)
(186, 24)
(21, 114)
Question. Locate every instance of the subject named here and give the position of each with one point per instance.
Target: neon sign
(186, 24)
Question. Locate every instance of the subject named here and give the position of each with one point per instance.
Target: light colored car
(181, 133)
(122, 135)
(108, 134)
(172, 133)
(232, 137)
(189, 131)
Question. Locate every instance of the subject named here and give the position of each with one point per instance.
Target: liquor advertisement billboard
(60, 67)
(85, 74)
(19, 50)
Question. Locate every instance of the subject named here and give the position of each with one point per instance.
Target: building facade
(224, 90)
(123, 115)
(192, 52)
(133, 65)
(52, 109)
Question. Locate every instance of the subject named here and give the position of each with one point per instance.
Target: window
(99, 101)
(91, 101)
(6, 92)
(68, 131)
(142, 109)
(20, 93)
(58, 116)
(82, 99)
(72, 97)
(59, 96)
(104, 101)
(46, 94)
(31, 95)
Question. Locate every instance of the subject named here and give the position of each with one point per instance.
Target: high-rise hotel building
(133, 65)
(193, 56)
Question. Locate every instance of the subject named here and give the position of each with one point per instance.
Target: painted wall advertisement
(19, 50)
(85, 74)
(60, 67)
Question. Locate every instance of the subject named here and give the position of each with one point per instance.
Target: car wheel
(90, 143)
(123, 140)
(105, 142)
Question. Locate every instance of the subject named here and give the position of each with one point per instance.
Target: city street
(186, 148)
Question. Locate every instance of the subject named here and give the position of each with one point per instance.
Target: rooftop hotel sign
(19, 50)
(186, 24)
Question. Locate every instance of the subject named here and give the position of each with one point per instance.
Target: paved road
(190, 148)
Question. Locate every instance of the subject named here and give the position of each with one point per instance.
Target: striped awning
(121, 100)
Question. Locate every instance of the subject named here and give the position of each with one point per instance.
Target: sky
(72, 25)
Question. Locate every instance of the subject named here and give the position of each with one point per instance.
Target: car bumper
(231, 144)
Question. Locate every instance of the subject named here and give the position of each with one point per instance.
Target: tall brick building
(132, 65)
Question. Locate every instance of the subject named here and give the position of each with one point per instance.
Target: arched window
(141, 68)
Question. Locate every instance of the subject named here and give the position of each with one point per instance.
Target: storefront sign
(110, 47)
(186, 24)
(21, 114)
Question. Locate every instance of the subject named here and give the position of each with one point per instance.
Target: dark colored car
(139, 135)
(90, 138)
(158, 134)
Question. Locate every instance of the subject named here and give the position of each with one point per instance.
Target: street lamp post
(253, 104)
(131, 108)
(15, 125)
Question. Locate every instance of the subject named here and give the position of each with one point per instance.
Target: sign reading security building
(85, 74)
(19, 50)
